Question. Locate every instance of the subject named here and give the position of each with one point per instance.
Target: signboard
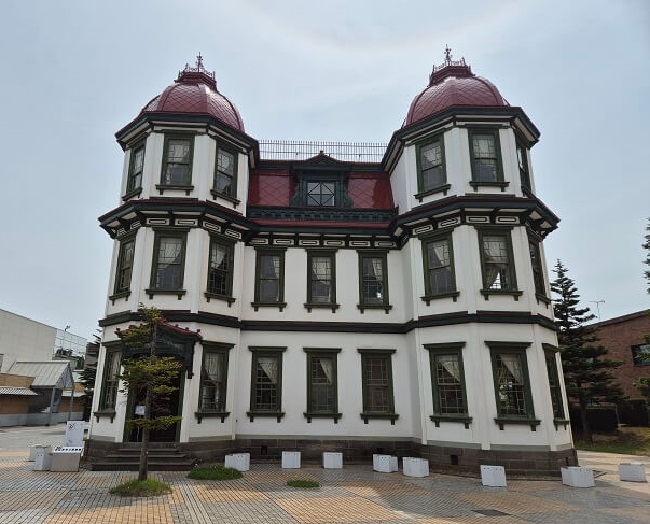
(74, 434)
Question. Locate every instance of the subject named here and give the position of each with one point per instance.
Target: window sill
(385, 307)
(151, 292)
(116, 296)
(173, 187)
(564, 422)
(527, 192)
(321, 305)
(366, 416)
(216, 194)
(495, 183)
(542, 298)
(533, 423)
(132, 194)
(429, 298)
(216, 296)
(274, 414)
(513, 293)
(440, 189)
(200, 415)
(104, 413)
(464, 419)
(279, 305)
(310, 415)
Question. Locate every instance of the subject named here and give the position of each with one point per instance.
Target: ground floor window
(266, 382)
(377, 385)
(322, 396)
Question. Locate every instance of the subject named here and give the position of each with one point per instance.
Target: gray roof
(22, 392)
(46, 374)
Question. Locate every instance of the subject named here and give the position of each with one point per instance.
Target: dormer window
(321, 194)
(321, 182)
(225, 175)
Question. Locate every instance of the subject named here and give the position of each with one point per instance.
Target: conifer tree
(646, 246)
(149, 375)
(587, 372)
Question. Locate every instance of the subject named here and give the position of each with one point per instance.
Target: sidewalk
(353, 495)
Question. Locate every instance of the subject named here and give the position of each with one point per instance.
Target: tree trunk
(143, 470)
(586, 428)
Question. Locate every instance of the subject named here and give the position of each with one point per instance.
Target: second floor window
(522, 162)
(225, 175)
(321, 283)
(373, 280)
(536, 264)
(220, 268)
(485, 156)
(431, 164)
(124, 269)
(439, 266)
(177, 162)
(168, 262)
(136, 165)
(497, 262)
(269, 278)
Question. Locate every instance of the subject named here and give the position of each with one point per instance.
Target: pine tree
(148, 374)
(587, 372)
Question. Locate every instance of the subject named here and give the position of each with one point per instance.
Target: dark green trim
(310, 413)
(159, 235)
(519, 349)
(365, 302)
(166, 185)
(260, 252)
(132, 186)
(132, 194)
(444, 349)
(109, 413)
(501, 185)
(174, 187)
(322, 214)
(494, 132)
(123, 291)
(232, 197)
(425, 241)
(537, 268)
(266, 351)
(367, 414)
(554, 383)
(200, 415)
(441, 188)
(310, 303)
(321, 169)
(506, 234)
(524, 165)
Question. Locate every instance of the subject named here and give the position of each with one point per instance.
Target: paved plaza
(355, 494)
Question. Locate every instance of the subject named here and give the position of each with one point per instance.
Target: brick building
(624, 337)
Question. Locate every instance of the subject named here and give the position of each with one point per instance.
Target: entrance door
(169, 406)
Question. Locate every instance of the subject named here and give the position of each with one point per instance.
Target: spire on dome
(449, 67)
(198, 73)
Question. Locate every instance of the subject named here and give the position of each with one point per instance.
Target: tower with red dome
(362, 298)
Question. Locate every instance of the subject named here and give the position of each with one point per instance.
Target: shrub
(141, 488)
(215, 473)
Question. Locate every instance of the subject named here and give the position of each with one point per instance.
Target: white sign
(74, 434)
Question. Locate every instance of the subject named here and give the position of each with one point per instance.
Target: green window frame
(538, 270)
(168, 264)
(136, 168)
(373, 280)
(514, 401)
(110, 383)
(321, 280)
(485, 158)
(432, 172)
(221, 263)
(214, 381)
(269, 278)
(555, 384)
(177, 162)
(439, 270)
(124, 268)
(497, 263)
(524, 171)
(321, 193)
(266, 382)
(448, 386)
(224, 184)
(322, 384)
(377, 385)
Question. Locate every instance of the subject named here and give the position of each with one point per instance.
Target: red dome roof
(453, 85)
(195, 92)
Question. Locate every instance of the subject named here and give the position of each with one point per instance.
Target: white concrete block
(239, 461)
(415, 467)
(493, 476)
(43, 459)
(332, 460)
(291, 459)
(632, 472)
(394, 463)
(65, 458)
(33, 451)
(578, 477)
(382, 463)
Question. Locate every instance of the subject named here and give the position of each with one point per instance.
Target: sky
(75, 71)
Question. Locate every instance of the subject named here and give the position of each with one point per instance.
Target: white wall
(24, 340)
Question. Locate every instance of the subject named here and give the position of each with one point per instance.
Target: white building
(346, 297)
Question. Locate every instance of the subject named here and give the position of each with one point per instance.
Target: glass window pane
(321, 284)
(372, 279)
(265, 386)
(169, 270)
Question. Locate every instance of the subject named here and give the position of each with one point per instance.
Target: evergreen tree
(148, 376)
(587, 372)
(646, 246)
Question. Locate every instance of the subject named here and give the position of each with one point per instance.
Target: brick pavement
(354, 495)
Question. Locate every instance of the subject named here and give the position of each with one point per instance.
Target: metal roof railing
(367, 152)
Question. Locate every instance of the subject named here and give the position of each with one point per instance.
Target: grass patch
(215, 473)
(141, 488)
(628, 441)
(303, 484)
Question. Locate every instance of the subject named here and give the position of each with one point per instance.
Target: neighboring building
(14, 399)
(29, 341)
(625, 339)
(357, 297)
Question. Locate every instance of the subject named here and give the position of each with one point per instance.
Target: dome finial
(199, 62)
(197, 73)
(447, 55)
(449, 67)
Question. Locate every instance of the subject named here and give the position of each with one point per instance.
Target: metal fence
(368, 152)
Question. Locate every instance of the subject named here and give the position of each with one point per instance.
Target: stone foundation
(450, 460)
